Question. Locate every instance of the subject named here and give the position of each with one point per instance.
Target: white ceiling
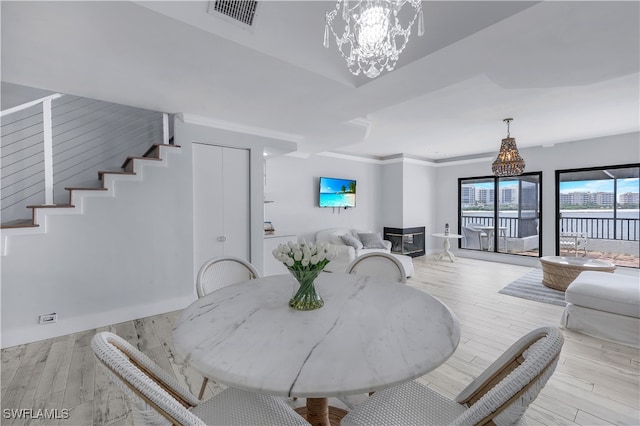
(563, 70)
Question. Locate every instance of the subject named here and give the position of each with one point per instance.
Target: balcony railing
(623, 229)
(602, 228)
(513, 224)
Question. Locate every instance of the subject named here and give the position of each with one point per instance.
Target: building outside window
(509, 223)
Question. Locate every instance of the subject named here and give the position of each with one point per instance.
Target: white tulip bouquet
(305, 262)
(304, 256)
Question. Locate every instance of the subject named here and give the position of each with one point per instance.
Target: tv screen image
(337, 192)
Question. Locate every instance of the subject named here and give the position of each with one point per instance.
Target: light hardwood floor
(596, 382)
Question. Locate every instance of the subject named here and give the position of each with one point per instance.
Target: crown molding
(238, 128)
(350, 157)
(405, 159)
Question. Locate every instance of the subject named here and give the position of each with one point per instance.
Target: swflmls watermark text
(41, 414)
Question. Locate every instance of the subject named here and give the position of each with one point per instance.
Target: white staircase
(131, 171)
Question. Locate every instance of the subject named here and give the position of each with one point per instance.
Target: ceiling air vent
(240, 10)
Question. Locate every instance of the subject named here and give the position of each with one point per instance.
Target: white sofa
(604, 305)
(345, 253)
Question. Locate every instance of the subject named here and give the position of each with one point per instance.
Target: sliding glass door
(501, 215)
(598, 216)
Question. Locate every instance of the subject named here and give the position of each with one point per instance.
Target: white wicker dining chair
(223, 271)
(157, 399)
(473, 238)
(500, 395)
(378, 265)
(220, 272)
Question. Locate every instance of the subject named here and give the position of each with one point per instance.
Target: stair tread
(102, 173)
(114, 172)
(156, 145)
(51, 206)
(124, 165)
(19, 223)
(147, 152)
(79, 188)
(143, 158)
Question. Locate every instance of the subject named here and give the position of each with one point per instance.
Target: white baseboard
(66, 326)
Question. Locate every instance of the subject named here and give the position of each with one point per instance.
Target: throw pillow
(372, 241)
(352, 241)
(335, 238)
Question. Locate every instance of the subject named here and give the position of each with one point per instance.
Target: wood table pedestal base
(319, 413)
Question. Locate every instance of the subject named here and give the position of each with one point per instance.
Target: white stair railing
(165, 128)
(48, 139)
(28, 172)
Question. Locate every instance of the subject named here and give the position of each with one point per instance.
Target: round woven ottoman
(560, 271)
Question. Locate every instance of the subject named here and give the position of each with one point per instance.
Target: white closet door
(221, 202)
(235, 187)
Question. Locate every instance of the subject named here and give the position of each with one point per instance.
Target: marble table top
(367, 336)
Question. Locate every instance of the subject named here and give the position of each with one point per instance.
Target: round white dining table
(368, 335)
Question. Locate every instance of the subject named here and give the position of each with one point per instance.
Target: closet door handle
(221, 239)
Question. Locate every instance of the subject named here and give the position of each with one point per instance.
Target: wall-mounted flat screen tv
(337, 192)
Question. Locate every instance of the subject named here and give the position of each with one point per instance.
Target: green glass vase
(306, 297)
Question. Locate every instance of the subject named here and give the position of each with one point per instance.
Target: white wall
(124, 257)
(409, 188)
(605, 151)
(392, 181)
(292, 183)
(419, 208)
(15, 94)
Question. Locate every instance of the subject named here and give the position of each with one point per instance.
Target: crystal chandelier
(373, 36)
(509, 162)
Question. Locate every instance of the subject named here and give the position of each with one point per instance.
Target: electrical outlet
(48, 318)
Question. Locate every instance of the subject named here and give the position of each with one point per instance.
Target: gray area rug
(530, 287)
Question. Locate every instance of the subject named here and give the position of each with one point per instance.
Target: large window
(598, 209)
(501, 214)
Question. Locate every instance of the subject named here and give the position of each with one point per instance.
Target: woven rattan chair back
(502, 393)
(499, 396)
(157, 399)
(223, 271)
(378, 265)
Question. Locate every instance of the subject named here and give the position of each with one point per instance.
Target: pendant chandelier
(373, 36)
(509, 162)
